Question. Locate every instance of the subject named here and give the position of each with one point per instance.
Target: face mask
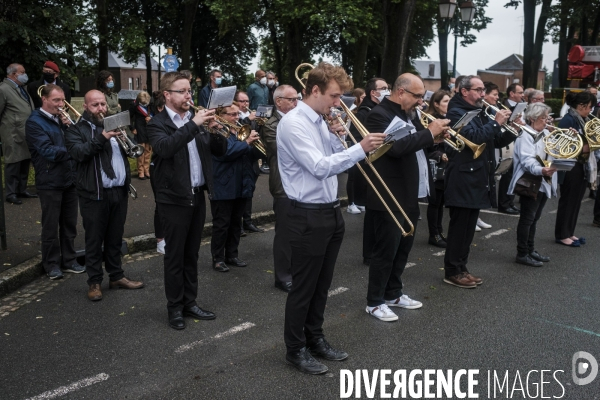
(110, 85)
(382, 95)
(276, 84)
(218, 80)
(271, 82)
(23, 78)
(263, 80)
(451, 86)
(144, 104)
(48, 77)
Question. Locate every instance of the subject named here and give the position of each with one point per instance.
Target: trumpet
(224, 130)
(368, 160)
(509, 126)
(64, 112)
(131, 149)
(458, 142)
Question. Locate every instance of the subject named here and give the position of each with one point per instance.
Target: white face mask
(382, 95)
(263, 80)
(271, 82)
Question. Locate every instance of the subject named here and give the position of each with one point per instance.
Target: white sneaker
(160, 246)
(382, 312)
(361, 208)
(477, 228)
(482, 224)
(352, 209)
(405, 302)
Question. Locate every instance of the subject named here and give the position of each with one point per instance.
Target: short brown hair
(168, 79)
(323, 73)
(437, 97)
(143, 97)
(46, 90)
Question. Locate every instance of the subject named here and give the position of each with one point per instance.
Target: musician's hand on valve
(372, 141)
(63, 118)
(110, 134)
(438, 129)
(336, 128)
(203, 116)
(252, 137)
(502, 116)
(252, 116)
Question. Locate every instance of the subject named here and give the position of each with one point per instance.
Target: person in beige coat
(15, 107)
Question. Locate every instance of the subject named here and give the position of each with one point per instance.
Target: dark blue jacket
(233, 174)
(204, 96)
(54, 168)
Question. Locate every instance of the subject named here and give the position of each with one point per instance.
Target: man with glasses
(468, 180)
(216, 78)
(404, 169)
(182, 173)
(50, 73)
(286, 99)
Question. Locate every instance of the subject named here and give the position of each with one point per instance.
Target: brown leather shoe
(125, 283)
(94, 292)
(476, 279)
(461, 281)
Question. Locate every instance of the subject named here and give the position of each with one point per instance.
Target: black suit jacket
(398, 166)
(170, 157)
(33, 87)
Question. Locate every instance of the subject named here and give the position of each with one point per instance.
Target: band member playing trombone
(103, 178)
(404, 168)
(309, 157)
(468, 180)
(182, 171)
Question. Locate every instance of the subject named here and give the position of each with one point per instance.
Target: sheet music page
(114, 122)
(563, 165)
(396, 130)
(465, 119)
(221, 97)
(519, 108)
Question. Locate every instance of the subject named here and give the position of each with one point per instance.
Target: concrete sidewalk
(21, 262)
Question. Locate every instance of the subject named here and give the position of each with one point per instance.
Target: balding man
(15, 107)
(103, 178)
(286, 99)
(258, 92)
(404, 168)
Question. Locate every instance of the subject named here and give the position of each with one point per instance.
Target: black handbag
(528, 185)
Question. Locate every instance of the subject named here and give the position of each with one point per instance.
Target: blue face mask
(110, 85)
(451, 86)
(218, 80)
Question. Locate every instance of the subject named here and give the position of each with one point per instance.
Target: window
(130, 83)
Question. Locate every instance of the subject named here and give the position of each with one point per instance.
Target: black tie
(24, 94)
(106, 156)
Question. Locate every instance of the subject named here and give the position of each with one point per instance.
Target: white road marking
(63, 390)
(232, 331)
(553, 212)
(339, 290)
(495, 233)
(408, 265)
(441, 253)
(584, 200)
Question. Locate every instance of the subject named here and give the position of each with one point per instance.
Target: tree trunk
(594, 38)
(443, 47)
(540, 35)
(583, 29)
(562, 45)
(147, 55)
(397, 22)
(295, 53)
(528, 39)
(360, 58)
(102, 24)
(276, 49)
(405, 24)
(190, 7)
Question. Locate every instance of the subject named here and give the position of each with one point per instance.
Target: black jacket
(268, 135)
(362, 112)
(54, 168)
(85, 147)
(33, 87)
(138, 122)
(170, 157)
(398, 167)
(470, 182)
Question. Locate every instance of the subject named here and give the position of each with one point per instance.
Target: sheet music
(465, 119)
(114, 122)
(221, 97)
(396, 130)
(519, 108)
(264, 111)
(428, 95)
(563, 165)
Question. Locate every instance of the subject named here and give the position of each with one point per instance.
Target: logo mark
(581, 368)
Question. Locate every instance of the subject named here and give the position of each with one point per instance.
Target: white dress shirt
(310, 156)
(196, 176)
(116, 161)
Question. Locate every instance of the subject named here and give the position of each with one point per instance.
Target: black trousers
(505, 200)
(389, 257)
(368, 234)
(435, 213)
(282, 250)
(59, 227)
(104, 222)
(15, 177)
(597, 206)
(531, 211)
(315, 238)
(460, 236)
(158, 231)
(248, 208)
(227, 228)
(182, 228)
(571, 193)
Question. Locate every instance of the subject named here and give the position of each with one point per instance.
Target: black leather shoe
(438, 241)
(13, 199)
(305, 362)
(198, 313)
(285, 286)
(517, 209)
(176, 320)
(538, 257)
(236, 262)
(253, 229)
(243, 233)
(510, 211)
(220, 266)
(324, 350)
(527, 260)
(27, 195)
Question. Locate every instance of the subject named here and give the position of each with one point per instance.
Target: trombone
(507, 125)
(64, 112)
(368, 160)
(458, 142)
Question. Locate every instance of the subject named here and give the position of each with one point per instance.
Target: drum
(504, 159)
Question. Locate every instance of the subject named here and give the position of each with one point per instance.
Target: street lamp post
(448, 13)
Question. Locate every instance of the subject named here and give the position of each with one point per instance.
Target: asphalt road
(520, 319)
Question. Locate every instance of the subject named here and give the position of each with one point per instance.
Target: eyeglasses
(232, 114)
(243, 101)
(380, 89)
(182, 91)
(478, 90)
(416, 96)
(292, 99)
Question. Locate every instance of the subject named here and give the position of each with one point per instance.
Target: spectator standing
(258, 92)
(106, 84)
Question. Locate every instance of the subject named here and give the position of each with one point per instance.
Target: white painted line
(232, 331)
(441, 253)
(408, 265)
(339, 290)
(499, 213)
(553, 212)
(63, 390)
(584, 200)
(496, 233)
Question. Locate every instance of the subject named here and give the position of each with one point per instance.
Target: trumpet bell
(380, 151)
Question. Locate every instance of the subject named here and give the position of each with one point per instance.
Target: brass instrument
(243, 131)
(509, 126)
(563, 144)
(458, 142)
(224, 130)
(360, 127)
(591, 131)
(64, 112)
(131, 149)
